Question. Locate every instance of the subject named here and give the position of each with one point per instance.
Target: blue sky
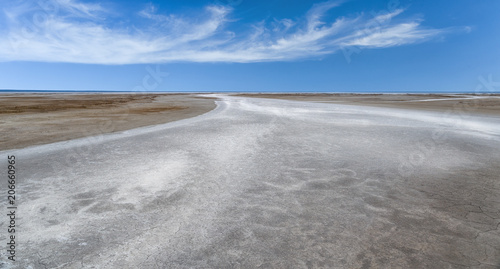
(243, 45)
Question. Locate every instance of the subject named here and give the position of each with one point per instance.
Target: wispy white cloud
(75, 32)
(391, 36)
(79, 9)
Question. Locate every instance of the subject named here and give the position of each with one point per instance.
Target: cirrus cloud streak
(78, 32)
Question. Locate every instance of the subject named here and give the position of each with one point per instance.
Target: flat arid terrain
(453, 103)
(34, 119)
(292, 181)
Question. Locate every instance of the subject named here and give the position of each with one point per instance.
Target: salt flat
(263, 183)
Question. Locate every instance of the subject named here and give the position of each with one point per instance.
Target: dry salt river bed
(263, 183)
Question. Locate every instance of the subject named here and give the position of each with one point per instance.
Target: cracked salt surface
(270, 184)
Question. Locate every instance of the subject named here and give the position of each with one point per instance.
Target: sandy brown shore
(450, 103)
(34, 119)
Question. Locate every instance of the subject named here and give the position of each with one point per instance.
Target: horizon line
(249, 91)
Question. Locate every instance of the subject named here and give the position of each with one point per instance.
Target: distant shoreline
(236, 92)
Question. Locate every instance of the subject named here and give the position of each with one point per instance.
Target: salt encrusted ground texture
(262, 183)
